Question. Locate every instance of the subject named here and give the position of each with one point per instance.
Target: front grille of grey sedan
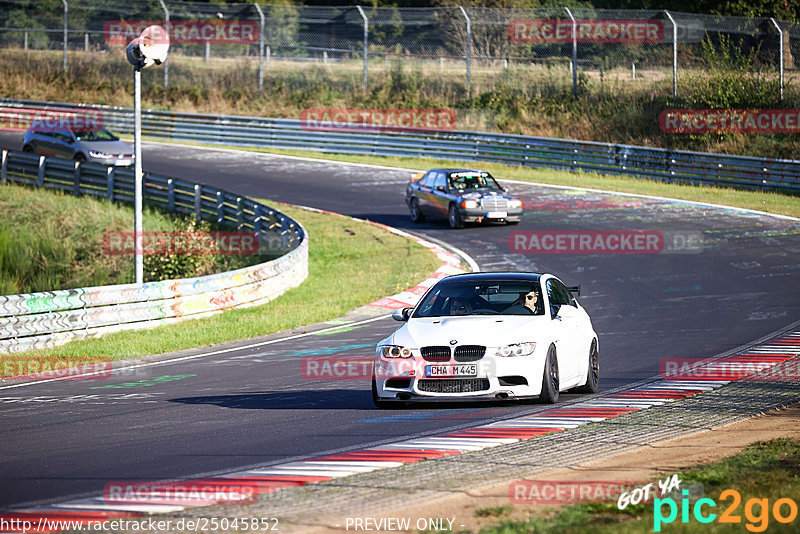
(436, 354)
(469, 353)
(465, 385)
(494, 203)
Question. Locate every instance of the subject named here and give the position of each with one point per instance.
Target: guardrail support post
(574, 64)
(4, 167)
(66, 10)
(171, 195)
(469, 49)
(40, 175)
(110, 184)
(780, 50)
(674, 54)
(239, 213)
(260, 47)
(257, 219)
(166, 27)
(220, 208)
(366, 43)
(198, 196)
(76, 179)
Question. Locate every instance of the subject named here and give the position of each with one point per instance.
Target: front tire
(376, 400)
(550, 380)
(416, 214)
(80, 158)
(28, 149)
(593, 374)
(454, 217)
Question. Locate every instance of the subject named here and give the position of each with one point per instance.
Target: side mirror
(505, 189)
(440, 188)
(401, 314)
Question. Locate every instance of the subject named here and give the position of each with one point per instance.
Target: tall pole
(260, 48)
(780, 50)
(166, 27)
(574, 52)
(366, 43)
(469, 48)
(137, 171)
(674, 54)
(66, 18)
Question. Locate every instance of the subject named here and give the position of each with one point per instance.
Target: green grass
(351, 263)
(769, 202)
(765, 470)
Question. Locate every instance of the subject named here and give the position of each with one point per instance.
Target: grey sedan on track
(96, 146)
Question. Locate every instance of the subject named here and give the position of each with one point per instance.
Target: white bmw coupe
(509, 335)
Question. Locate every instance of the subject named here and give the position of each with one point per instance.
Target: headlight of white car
(517, 349)
(514, 203)
(395, 351)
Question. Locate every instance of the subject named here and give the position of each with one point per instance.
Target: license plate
(449, 371)
(497, 215)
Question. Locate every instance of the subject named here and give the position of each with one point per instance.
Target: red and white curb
(762, 361)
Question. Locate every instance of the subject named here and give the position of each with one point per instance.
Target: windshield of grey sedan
(485, 298)
(465, 181)
(99, 135)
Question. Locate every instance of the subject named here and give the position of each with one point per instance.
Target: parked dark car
(96, 146)
(461, 196)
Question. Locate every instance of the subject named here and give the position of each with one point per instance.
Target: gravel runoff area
(327, 504)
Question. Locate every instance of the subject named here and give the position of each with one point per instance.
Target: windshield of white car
(485, 298)
(466, 181)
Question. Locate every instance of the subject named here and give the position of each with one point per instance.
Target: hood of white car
(487, 330)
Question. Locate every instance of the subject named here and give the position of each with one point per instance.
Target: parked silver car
(96, 146)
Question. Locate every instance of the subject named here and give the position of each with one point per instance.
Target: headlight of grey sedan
(100, 155)
(517, 349)
(395, 351)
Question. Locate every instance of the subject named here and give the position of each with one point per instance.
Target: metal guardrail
(697, 168)
(47, 319)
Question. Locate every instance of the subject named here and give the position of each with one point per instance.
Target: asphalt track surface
(253, 407)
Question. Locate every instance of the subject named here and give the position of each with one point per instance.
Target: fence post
(220, 208)
(257, 219)
(26, 41)
(4, 167)
(171, 195)
(574, 64)
(85, 42)
(76, 179)
(239, 213)
(166, 27)
(674, 54)
(198, 194)
(366, 43)
(260, 47)
(40, 176)
(780, 50)
(208, 51)
(469, 49)
(66, 9)
(110, 184)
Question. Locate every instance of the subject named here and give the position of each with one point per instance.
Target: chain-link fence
(461, 50)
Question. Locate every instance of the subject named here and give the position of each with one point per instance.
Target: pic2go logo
(756, 511)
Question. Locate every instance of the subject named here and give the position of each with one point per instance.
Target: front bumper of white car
(494, 377)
